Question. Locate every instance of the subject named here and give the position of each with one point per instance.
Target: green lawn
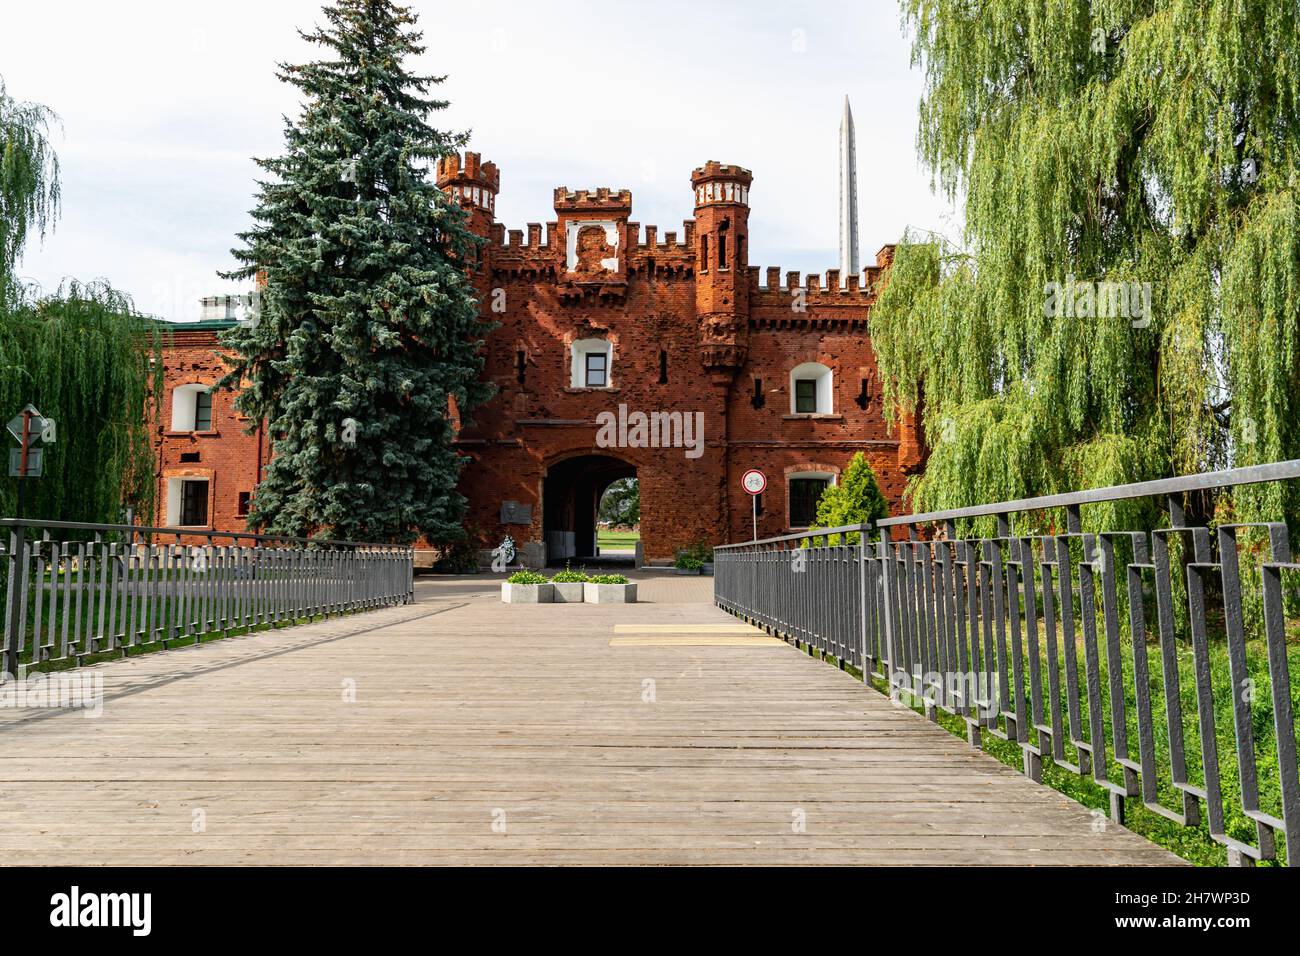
(617, 540)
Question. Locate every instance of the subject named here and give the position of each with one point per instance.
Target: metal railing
(1046, 639)
(77, 591)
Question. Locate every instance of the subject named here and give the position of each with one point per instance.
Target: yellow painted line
(686, 629)
(697, 640)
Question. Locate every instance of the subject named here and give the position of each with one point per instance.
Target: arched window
(811, 390)
(192, 408)
(592, 361)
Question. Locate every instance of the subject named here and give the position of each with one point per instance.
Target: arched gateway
(571, 493)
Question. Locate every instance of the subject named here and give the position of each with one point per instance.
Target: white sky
(163, 103)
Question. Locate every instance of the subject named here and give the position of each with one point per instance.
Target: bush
(527, 577)
(699, 549)
(459, 557)
(608, 579)
(569, 576)
(688, 562)
(855, 500)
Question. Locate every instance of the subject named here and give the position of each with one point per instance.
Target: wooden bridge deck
(491, 733)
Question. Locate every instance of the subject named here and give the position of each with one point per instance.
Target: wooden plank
(738, 628)
(696, 640)
(466, 731)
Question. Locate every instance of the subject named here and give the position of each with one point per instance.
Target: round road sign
(754, 481)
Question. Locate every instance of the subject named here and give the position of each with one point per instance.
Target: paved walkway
(463, 730)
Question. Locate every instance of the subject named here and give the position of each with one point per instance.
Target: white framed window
(191, 408)
(591, 363)
(187, 502)
(811, 389)
(803, 491)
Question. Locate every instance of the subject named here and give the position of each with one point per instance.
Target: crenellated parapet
(596, 202)
(469, 180)
(799, 299)
(721, 183)
(593, 247)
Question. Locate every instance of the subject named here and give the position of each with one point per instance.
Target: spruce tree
(367, 342)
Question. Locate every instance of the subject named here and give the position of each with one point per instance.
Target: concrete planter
(707, 570)
(527, 593)
(609, 593)
(687, 570)
(569, 592)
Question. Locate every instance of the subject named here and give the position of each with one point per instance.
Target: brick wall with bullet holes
(596, 311)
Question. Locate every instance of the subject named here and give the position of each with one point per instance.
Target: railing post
(888, 607)
(15, 592)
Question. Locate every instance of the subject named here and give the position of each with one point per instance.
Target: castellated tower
(722, 265)
(474, 184)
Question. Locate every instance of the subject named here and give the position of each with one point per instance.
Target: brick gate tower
(707, 370)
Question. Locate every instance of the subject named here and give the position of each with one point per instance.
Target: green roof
(205, 325)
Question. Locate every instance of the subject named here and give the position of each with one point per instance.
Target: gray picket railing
(1020, 636)
(75, 591)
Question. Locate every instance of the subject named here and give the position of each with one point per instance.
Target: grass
(617, 540)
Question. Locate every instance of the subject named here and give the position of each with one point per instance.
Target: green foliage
(688, 562)
(459, 556)
(700, 550)
(29, 180)
(621, 502)
(608, 579)
(369, 338)
(855, 500)
(1105, 140)
(569, 576)
(83, 356)
(527, 577)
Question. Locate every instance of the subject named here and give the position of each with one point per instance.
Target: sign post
(754, 482)
(32, 431)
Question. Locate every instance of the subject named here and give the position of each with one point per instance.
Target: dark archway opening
(571, 494)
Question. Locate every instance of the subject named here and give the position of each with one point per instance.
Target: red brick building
(207, 466)
(620, 352)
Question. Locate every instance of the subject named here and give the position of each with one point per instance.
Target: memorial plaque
(514, 512)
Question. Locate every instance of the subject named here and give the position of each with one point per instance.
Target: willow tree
(85, 358)
(29, 179)
(82, 355)
(1124, 300)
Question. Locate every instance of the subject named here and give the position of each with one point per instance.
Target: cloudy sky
(162, 104)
